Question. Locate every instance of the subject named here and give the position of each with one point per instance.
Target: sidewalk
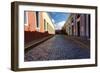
(34, 43)
(82, 41)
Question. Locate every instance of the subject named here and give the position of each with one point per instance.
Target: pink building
(81, 25)
(78, 25)
(37, 25)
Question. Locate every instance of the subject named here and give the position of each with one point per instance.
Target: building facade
(67, 26)
(48, 24)
(37, 25)
(78, 25)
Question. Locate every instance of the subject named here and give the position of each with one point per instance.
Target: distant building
(67, 26)
(78, 25)
(37, 25)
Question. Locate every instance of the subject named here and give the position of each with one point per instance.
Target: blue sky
(58, 18)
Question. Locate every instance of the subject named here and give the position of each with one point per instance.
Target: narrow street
(59, 47)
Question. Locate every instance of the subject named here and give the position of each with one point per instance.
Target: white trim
(33, 64)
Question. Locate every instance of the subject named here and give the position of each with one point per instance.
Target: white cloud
(53, 20)
(59, 25)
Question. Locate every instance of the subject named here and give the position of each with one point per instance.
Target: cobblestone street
(58, 47)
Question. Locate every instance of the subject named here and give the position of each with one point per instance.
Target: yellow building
(48, 24)
(67, 26)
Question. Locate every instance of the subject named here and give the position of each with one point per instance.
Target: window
(37, 19)
(25, 18)
(47, 26)
(44, 24)
(78, 15)
(72, 20)
(89, 25)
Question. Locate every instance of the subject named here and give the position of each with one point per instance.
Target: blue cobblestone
(57, 48)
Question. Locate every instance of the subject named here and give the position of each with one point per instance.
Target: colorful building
(37, 25)
(67, 26)
(48, 25)
(78, 25)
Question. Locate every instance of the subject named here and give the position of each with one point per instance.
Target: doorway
(72, 30)
(78, 28)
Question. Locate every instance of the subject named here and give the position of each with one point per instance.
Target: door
(78, 28)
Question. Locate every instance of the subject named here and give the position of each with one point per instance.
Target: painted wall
(77, 25)
(30, 24)
(35, 27)
(49, 25)
(67, 26)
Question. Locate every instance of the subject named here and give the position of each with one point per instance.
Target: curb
(27, 48)
(80, 43)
